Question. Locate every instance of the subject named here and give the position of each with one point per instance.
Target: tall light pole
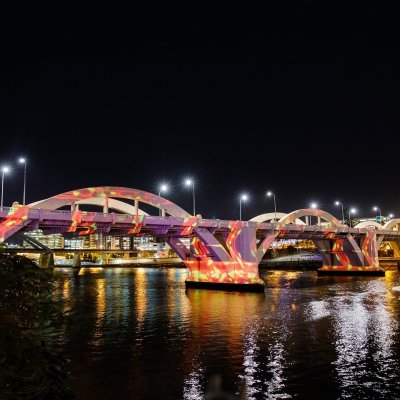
(391, 216)
(269, 194)
(163, 188)
(190, 182)
(380, 213)
(314, 206)
(243, 197)
(4, 170)
(23, 161)
(351, 211)
(339, 203)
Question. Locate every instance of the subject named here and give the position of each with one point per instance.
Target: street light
(351, 211)
(189, 182)
(243, 197)
(269, 194)
(163, 188)
(4, 170)
(339, 203)
(314, 206)
(391, 216)
(23, 161)
(380, 213)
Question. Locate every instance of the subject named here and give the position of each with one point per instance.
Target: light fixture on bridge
(351, 211)
(22, 160)
(391, 216)
(163, 188)
(380, 212)
(243, 197)
(4, 171)
(339, 203)
(314, 205)
(190, 182)
(269, 194)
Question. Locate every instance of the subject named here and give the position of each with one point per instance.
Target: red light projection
(15, 219)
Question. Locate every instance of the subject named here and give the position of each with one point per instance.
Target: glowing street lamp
(351, 211)
(269, 194)
(314, 206)
(380, 213)
(190, 182)
(391, 216)
(23, 161)
(163, 188)
(244, 198)
(339, 203)
(4, 171)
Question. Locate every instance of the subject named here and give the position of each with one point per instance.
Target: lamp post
(380, 213)
(4, 170)
(243, 197)
(23, 161)
(190, 182)
(269, 194)
(351, 211)
(339, 203)
(313, 205)
(391, 216)
(163, 188)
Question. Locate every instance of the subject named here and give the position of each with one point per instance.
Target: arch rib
(67, 198)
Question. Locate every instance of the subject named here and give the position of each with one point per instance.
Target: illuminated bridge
(221, 252)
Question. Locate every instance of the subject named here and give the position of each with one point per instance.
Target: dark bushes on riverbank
(30, 367)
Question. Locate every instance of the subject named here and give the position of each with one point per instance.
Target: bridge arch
(113, 204)
(268, 217)
(390, 224)
(102, 192)
(306, 212)
(368, 224)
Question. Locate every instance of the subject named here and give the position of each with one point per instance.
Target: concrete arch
(113, 204)
(389, 225)
(267, 217)
(367, 224)
(64, 199)
(304, 212)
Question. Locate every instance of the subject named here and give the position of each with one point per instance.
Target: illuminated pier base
(219, 275)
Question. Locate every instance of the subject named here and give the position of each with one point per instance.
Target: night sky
(302, 101)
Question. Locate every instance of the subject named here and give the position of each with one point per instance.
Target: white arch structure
(294, 217)
(106, 196)
(271, 216)
(113, 204)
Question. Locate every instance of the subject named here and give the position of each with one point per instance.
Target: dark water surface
(138, 334)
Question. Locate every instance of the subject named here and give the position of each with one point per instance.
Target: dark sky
(302, 100)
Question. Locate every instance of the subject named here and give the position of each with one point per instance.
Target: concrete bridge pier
(350, 257)
(76, 261)
(228, 263)
(46, 260)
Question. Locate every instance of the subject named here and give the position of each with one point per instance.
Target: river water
(136, 333)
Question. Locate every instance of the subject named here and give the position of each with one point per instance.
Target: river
(136, 333)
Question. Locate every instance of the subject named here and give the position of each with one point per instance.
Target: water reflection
(137, 333)
(365, 330)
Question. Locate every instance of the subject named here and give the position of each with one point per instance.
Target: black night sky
(303, 101)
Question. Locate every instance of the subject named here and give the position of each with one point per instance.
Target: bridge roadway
(59, 221)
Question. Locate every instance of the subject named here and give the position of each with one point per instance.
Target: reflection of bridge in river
(221, 252)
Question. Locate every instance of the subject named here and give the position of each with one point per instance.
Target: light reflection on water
(137, 333)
